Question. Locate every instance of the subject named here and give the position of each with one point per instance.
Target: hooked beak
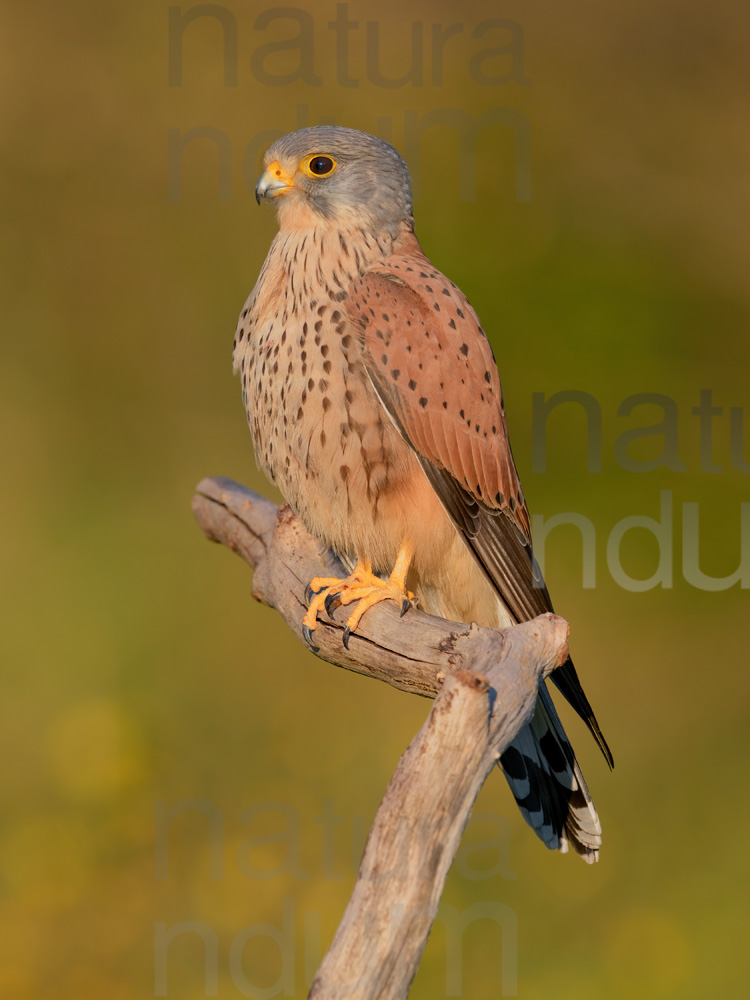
(273, 182)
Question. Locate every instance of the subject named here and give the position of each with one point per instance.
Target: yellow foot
(362, 586)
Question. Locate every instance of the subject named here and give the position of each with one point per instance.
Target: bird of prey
(375, 406)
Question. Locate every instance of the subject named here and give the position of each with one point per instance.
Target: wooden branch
(485, 681)
(413, 653)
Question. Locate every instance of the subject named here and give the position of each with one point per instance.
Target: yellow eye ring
(318, 165)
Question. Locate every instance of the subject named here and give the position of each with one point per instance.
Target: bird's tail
(548, 785)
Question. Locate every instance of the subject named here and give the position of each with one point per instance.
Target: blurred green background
(137, 668)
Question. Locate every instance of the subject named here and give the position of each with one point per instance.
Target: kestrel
(375, 405)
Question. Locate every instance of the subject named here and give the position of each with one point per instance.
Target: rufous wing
(433, 370)
(432, 365)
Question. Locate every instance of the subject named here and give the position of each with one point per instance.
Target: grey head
(340, 175)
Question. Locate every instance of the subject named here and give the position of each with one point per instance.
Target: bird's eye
(318, 165)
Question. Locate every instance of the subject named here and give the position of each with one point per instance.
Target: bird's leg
(363, 586)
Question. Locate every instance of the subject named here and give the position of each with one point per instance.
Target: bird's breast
(318, 429)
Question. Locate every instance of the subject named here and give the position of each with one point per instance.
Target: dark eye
(321, 165)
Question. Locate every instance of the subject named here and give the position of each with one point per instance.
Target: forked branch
(484, 682)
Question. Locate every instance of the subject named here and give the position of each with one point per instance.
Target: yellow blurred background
(601, 233)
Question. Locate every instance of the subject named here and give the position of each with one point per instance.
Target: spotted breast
(317, 428)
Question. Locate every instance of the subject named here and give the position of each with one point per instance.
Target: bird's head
(337, 176)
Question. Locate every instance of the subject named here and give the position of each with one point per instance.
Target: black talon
(347, 633)
(309, 593)
(331, 602)
(307, 634)
(405, 605)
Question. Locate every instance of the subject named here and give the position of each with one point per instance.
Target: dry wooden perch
(484, 682)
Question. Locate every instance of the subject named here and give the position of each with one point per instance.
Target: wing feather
(412, 374)
(408, 315)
